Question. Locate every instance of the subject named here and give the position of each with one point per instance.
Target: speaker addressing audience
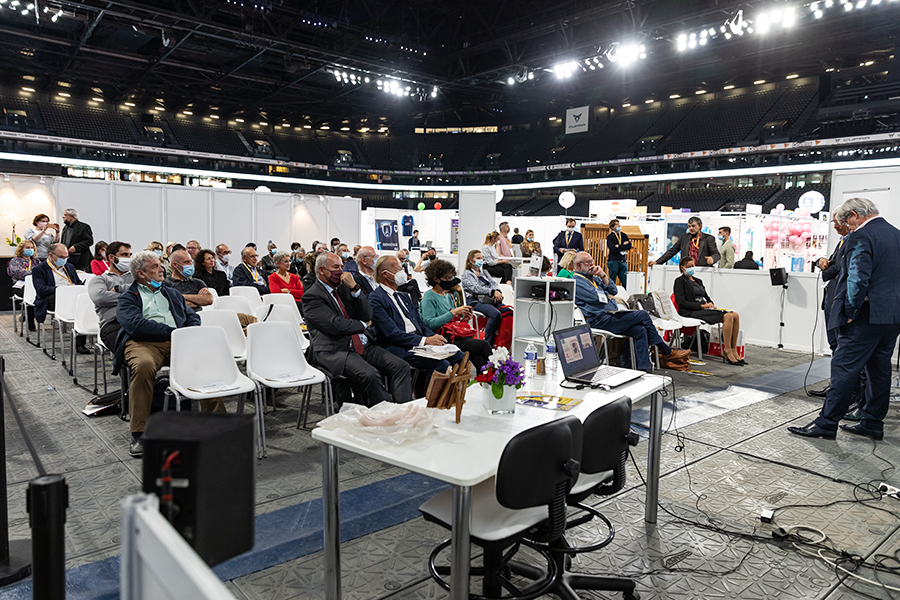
(747, 262)
(696, 244)
(77, 238)
(867, 315)
(105, 290)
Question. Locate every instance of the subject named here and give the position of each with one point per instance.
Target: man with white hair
(223, 258)
(78, 239)
(248, 272)
(867, 314)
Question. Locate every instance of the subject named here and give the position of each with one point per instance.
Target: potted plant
(500, 378)
(14, 240)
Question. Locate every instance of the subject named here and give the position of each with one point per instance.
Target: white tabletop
(468, 453)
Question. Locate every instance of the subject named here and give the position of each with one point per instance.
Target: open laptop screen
(576, 350)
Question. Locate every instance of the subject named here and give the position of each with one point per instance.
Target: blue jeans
(860, 345)
(494, 315)
(637, 325)
(618, 269)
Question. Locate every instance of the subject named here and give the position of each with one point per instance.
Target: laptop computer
(580, 361)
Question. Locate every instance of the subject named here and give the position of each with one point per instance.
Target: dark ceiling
(275, 58)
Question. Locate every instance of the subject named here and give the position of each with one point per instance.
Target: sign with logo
(577, 119)
(813, 201)
(387, 234)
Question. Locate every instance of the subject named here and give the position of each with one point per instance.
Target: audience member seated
(99, 264)
(335, 242)
(694, 302)
(516, 238)
(424, 260)
(339, 318)
(223, 257)
(483, 294)
(194, 291)
(193, 248)
(248, 274)
(309, 261)
(283, 281)
(365, 276)
(149, 312)
(694, 244)
(46, 277)
(205, 270)
(594, 292)
(397, 322)
(43, 234)
(297, 255)
(446, 302)
(156, 248)
(20, 265)
(166, 257)
(267, 262)
(403, 257)
(356, 250)
(747, 262)
(565, 265)
(493, 264)
(105, 290)
(529, 246)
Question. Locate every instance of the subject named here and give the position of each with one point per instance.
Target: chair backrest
(283, 300)
(667, 311)
(508, 293)
(229, 322)
(66, 297)
(238, 304)
(215, 296)
(273, 349)
(577, 316)
(245, 291)
(29, 294)
(200, 356)
(670, 309)
(268, 313)
(606, 436)
(85, 277)
(86, 319)
(420, 277)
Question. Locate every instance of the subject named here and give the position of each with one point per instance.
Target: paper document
(19, 284)
(289, 378)
(543, 401)
(436, 352)
(213, 388)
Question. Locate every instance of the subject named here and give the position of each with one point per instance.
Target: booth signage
(577, 119)
(387, 234)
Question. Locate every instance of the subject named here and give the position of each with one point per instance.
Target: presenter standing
(568, 239)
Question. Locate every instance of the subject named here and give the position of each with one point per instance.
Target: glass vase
(504, 405)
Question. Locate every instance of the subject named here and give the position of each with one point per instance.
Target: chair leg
(103, 367)
(96, 354)
(74, 365)
(262, 451)
(304, 406)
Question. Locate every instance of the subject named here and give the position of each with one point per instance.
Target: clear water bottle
(530, 360)
(551, 359)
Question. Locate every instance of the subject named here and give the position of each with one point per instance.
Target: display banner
(577, 119)
(387, 234)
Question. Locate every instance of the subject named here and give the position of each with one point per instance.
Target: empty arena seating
(298, 147)
(702, 199)
(207, 138)
(791, 196)
(87, 123)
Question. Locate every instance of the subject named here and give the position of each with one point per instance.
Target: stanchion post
(48, 499)
(15, 557)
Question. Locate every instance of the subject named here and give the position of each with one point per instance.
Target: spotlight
(511, 80)
(682, 42)
(818, 14)
(530, 75)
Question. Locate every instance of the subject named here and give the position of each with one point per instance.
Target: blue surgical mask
(28, 252)
(618, 229)
(61, 262)
(721, 238)
(154, 284)
(479, 263)
(690, 271)
(273, 251)
(157, 252)
(530, 239)
(187, 271)
(345, 255)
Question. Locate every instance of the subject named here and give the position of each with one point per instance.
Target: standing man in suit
(343, 341)
(726, 250)
(52, 273)
(78, 239)
(696, 244)
(568, 239)
(399, 327)
(248, 272)
(867, 314)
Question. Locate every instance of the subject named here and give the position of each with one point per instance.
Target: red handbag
(456, 329)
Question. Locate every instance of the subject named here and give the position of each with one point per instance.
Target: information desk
(468, 453)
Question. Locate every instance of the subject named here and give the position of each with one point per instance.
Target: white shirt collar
(387, 289)
(867, 221)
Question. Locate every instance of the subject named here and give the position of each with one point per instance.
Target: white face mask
(400, 278)
(123, 263)
(224, 259)
(570, 229)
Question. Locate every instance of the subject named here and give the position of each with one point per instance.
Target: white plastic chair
(606, 335)
(201, 356)
(28, 296)
(64, 314)
(668, 308)
(273, 352)
(215, 296)
(85, 277)
(509, 295)
(283, 300)
(245, 291)
(283, 314)
(86, 323)
(229, 322)
(238, 304)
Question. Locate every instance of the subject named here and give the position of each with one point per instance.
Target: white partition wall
(188, 215)
(232, 212)
(92, 200)
(477, 217)
(273, 220)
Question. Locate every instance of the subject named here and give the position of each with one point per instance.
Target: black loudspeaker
(212, 478)
(778, 276)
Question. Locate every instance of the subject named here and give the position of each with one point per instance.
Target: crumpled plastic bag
(385, 423)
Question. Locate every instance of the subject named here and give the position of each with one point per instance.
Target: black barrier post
(48, 499)
(15, 556)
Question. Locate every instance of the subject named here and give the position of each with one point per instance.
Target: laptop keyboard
(603, 373)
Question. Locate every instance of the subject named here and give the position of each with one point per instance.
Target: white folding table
(468, 453)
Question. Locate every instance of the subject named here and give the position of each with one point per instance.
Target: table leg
(460, 554)
(653, 452)
(331, 509)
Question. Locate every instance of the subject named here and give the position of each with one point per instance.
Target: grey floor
(721, 467)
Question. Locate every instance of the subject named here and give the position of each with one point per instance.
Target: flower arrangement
(500, 371)
(14, 220)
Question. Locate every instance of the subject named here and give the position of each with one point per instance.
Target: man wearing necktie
(339, 318)
(399, 327)
(568, 239)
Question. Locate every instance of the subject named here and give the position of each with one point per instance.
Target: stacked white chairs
(87, 323)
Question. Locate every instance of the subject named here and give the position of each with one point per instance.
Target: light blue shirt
(156, 306)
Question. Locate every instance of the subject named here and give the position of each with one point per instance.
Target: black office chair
(526, 499)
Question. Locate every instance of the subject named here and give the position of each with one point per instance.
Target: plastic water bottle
(551, 359)
(530, 360)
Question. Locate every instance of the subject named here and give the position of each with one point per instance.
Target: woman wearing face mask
(282, 281)
(694, 302)
(99, 264)
(492, 262)
(529, 246)
(483, 294)
(267, 263)
(445, 302)
(618, 245)
(19, 267)
(42, 234)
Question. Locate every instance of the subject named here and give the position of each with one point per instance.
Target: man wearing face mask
(365, 276)
(78, 238)
(568, 239)
(350, 265)
(339, 317)
(726, 248)
(698, 245)
(399, 327)
(223, 257)
(54, 272)
(618, 244)
(105, 290)
(248, 273)
(194, 291)
(267, 264)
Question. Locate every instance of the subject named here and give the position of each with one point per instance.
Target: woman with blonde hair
(493, 264)
(566, 268)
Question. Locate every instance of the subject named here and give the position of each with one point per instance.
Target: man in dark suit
(339, 318)
(831, 269)
(77, 238)
(747, 262)
(398, 324)
(696, 244)
(364, 275)
(568, 239)
(54, 272)
(248, 272)
(867, 314)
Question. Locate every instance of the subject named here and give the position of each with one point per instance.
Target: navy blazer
(130, 314)
(830, 274)
(389, 323)
(575, 243)
(243, 277)
(869, 269)
(362, 282)
(45, 286)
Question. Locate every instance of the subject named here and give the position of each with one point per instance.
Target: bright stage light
(682, 42)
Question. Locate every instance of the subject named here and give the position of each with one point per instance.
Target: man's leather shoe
(860, 430)
(853, 415)
(136, 448)
(817, 393)
(814, 431)
(83, 350)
